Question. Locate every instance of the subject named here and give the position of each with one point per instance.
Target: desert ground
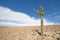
(51, 32)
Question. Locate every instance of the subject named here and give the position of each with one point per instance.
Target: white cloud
(55, 15)
(46, 22)
(18, 18)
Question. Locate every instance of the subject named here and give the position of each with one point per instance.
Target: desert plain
(51, 32)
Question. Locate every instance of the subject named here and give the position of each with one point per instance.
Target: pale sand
(51, 32)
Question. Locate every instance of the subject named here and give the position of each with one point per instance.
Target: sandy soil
(51, 32)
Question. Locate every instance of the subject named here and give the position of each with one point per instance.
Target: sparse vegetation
(29, 33)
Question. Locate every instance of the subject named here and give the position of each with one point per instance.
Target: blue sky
(51, 9)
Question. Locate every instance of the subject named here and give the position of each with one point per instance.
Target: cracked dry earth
(51, 32)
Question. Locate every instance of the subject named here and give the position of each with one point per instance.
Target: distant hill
(51, 32)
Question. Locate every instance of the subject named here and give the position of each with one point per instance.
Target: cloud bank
(9, 17)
